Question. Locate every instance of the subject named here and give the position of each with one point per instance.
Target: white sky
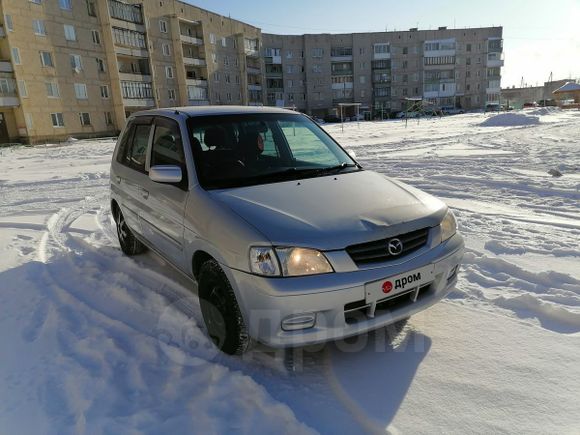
(539, 36)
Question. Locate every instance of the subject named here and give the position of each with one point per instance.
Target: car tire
(221, 312)
(129, 243)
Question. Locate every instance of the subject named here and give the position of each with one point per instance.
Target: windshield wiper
(340, 167)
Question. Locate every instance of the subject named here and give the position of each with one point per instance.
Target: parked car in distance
(452, 111)
(331, 119)
(530, 105)
(291, 241)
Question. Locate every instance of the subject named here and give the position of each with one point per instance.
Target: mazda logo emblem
(395, 246)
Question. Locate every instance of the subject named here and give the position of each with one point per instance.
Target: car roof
(211, 110)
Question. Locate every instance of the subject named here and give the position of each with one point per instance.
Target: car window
(245, 149)
(138, 150)
(122, 154)
(166, 148)
(306, 145)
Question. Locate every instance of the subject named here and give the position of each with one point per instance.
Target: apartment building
(80, 67)
(384, 71)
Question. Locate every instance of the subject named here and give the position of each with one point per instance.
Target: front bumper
(265, 302)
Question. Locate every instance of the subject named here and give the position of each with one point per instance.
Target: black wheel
(129, 244)
(221, 312)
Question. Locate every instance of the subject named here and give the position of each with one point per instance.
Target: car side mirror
(165, 174)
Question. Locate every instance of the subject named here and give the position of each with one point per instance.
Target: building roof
(568, 87)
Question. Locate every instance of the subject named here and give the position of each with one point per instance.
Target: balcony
(274, 60)
(135, 77)
(494, 63)
(126, 15)
(6, 66)
(256, 71)
(198, 102)
(253, 52)
(197, 82)
(341, 58)
(191, 40)
(139, 102)
(193, 61)
(130, 51)
(8, 95)
(255, 87)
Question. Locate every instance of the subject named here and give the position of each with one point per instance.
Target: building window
(125, 11)
(96, 37)
(36, 1)
(166, 49)
(81, 91)
(163, 26)
(8, 22)
(108, 118)
(100, 65)
(136, 90)
(169, 72)
(16, 55)
(316, 68)
(52, 90)
(91, 8)
(224, 42)
(22, 90)
(104, 91)
(226, 61)
(289, 54)
(227, 78)
(28, 121)
(39, 27)
(362, 80)
(468, 61)
(70, 33)
(85, 118)
(57, 119)
(129, 38)
(468, 47)
(46, 59)
(229, 96)
(65, 4)
(317, 52)
(171, 94)
(216, 76)
(212, 38)
(214, 57)
(76, 62)
(381, 48)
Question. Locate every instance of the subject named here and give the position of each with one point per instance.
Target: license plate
(396, 284)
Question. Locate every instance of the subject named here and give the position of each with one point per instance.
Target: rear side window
(133, 145)
(138, 154)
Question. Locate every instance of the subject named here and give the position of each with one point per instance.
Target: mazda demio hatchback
(291, 241)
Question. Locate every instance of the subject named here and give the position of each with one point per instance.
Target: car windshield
(247, 149)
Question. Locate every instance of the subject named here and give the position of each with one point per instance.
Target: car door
(162, 215)
(130, 171)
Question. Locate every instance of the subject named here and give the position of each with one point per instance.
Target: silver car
(291, 241)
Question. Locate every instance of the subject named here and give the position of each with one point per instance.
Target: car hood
(335, 211)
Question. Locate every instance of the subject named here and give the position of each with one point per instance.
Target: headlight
(263, 261)
(303, 261)
(448, 226)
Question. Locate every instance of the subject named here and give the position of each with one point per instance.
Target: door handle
(145, 193)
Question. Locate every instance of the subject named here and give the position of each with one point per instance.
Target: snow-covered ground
(94, 342)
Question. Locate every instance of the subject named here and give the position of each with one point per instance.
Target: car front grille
(376, 251)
